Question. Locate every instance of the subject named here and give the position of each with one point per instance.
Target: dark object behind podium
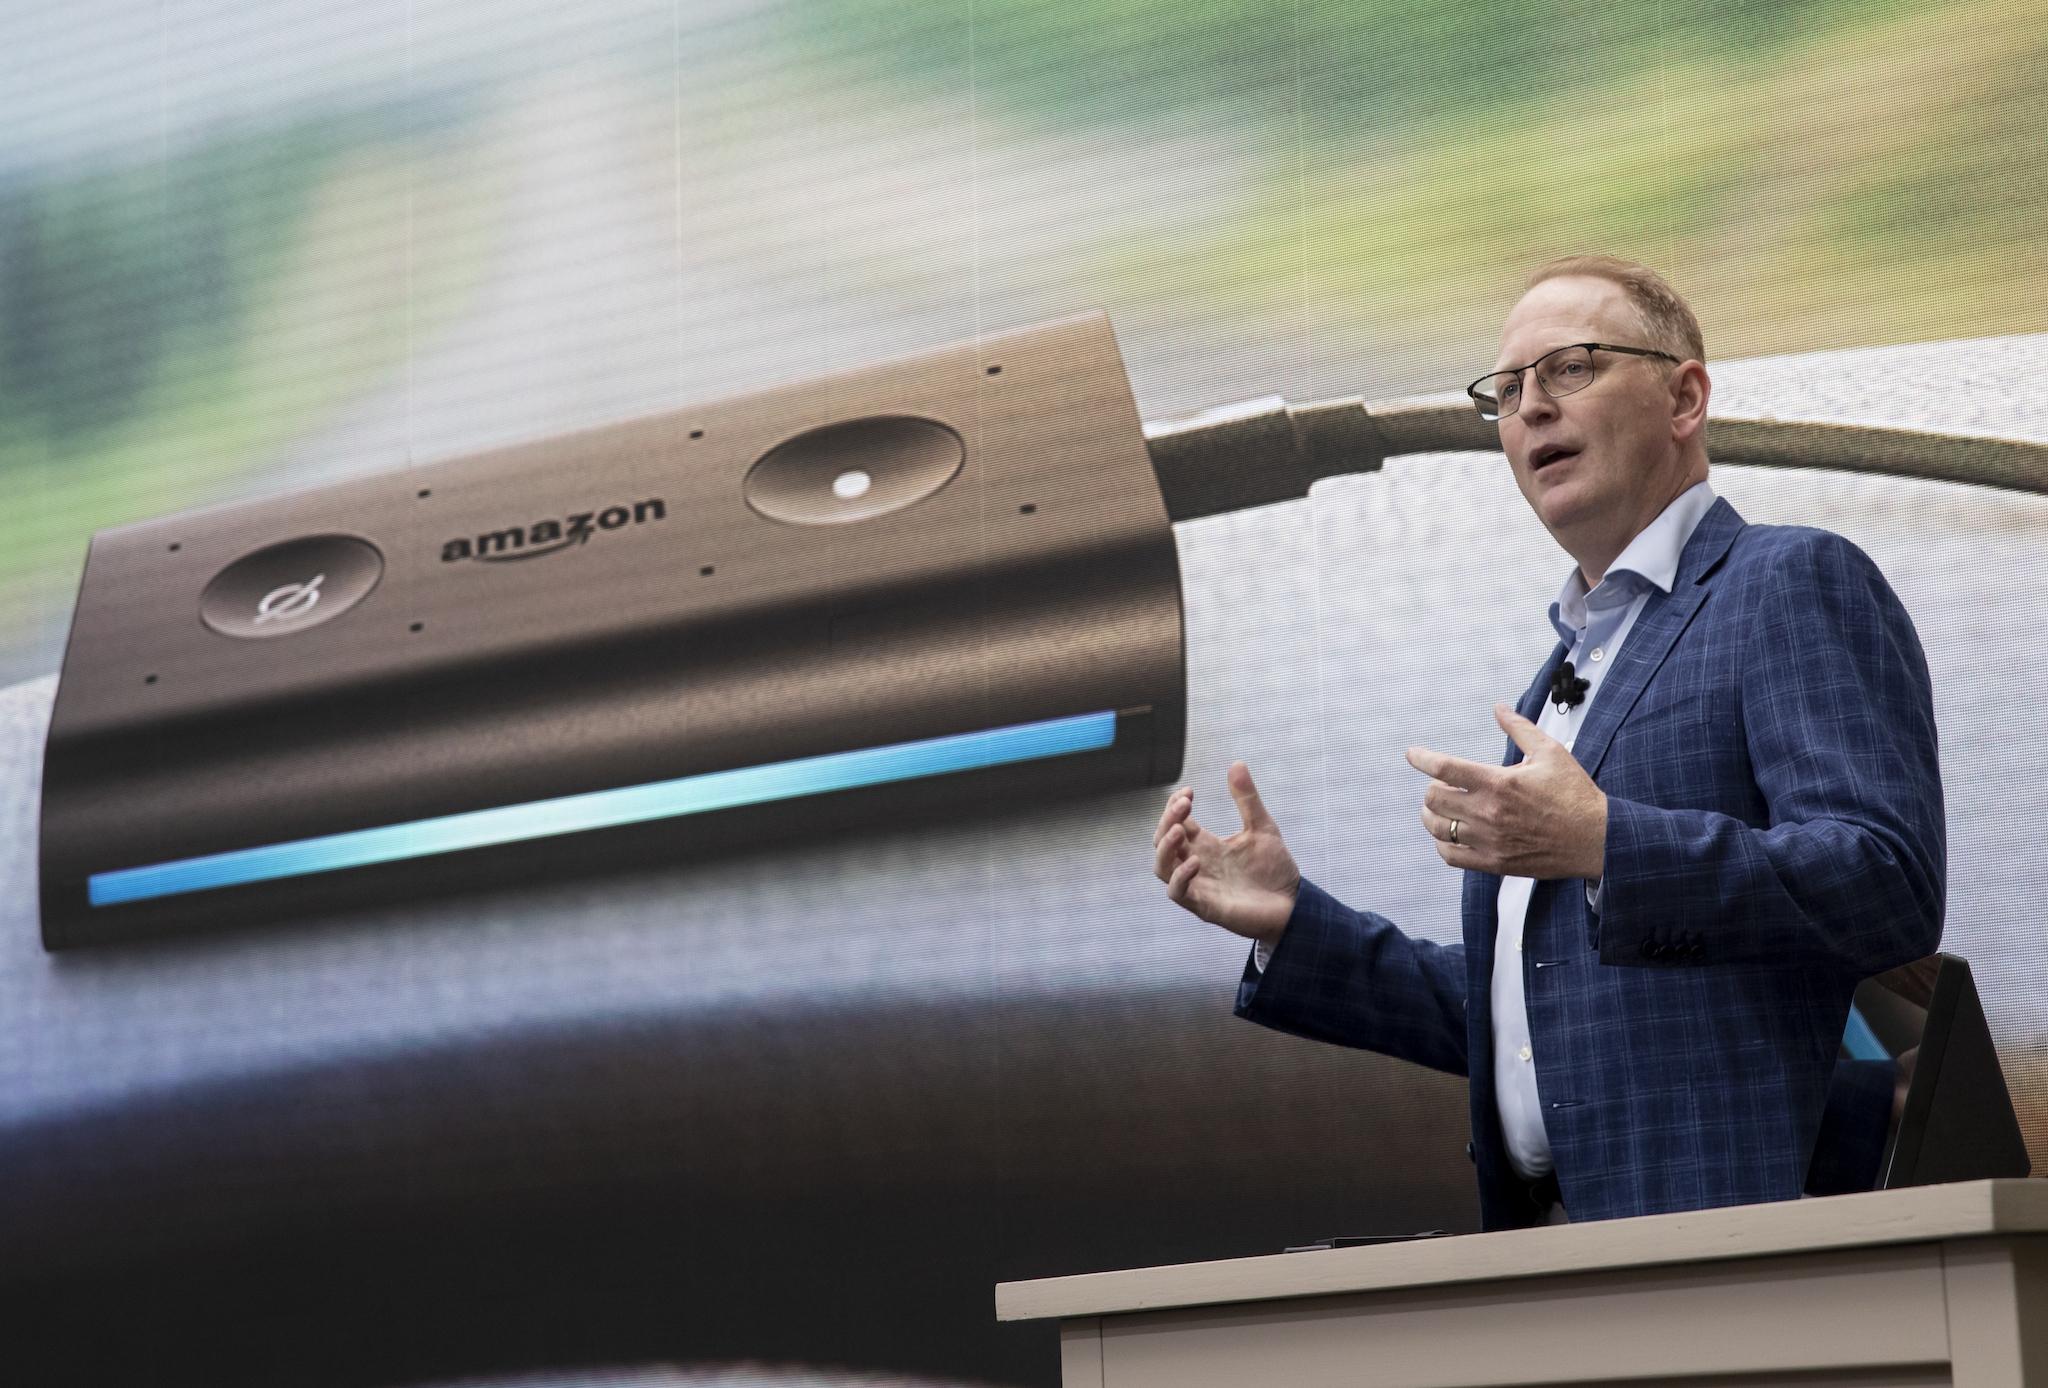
(1918, 1097)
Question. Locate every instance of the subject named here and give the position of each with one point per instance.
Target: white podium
(1930, 1285)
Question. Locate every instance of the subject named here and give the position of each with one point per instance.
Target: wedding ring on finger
(1454, 833)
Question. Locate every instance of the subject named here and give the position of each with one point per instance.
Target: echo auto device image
(933, 583)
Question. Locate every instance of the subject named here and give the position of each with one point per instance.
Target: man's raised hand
(1542, 817)
(1245, 883)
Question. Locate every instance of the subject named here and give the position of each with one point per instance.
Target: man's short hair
(1666, 317)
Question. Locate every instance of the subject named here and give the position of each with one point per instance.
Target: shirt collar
(1650, 560)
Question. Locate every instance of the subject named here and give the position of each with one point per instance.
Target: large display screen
(797, 1106)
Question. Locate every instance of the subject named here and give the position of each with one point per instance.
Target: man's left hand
(1542, 817)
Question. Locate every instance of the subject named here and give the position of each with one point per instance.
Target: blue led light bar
(606, 809)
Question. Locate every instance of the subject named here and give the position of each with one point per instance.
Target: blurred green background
(244, 249)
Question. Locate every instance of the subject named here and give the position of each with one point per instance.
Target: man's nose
(1536, 402)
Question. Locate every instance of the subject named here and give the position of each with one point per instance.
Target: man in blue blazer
(1720, 809)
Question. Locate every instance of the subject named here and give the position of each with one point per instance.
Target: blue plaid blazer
(1775, 834)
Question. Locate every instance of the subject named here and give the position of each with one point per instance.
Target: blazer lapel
(1532, 699)
(1656, 630)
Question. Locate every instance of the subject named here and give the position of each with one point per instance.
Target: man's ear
(1690, 389)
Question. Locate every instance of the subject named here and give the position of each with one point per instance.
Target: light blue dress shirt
(1593, 626)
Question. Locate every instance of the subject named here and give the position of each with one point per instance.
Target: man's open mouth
(1548, 454)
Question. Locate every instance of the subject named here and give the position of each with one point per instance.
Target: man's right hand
(1245, 883)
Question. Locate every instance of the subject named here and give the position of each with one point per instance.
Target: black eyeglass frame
(1590, 348)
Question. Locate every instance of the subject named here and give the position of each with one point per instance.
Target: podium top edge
(1920, 1214)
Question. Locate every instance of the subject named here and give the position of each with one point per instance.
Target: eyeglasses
(1560, 372)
